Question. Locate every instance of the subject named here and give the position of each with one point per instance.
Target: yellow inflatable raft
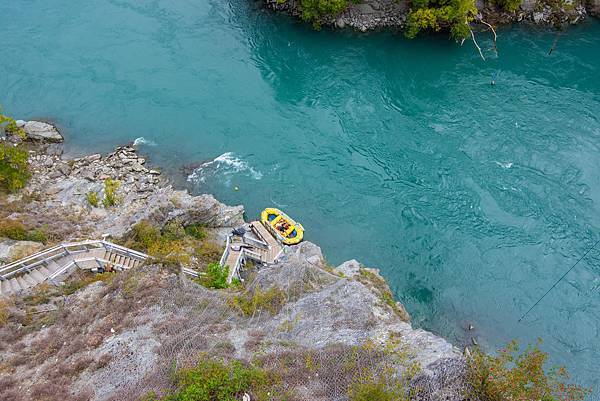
(282, 226)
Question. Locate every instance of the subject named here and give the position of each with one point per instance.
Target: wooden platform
(257, 244)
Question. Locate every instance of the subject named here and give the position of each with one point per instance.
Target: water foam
(226, 165)
(143, 141)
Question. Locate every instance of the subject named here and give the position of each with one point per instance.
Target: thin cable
(560, 279)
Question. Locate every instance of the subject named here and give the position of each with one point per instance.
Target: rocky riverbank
(368, 15)
(321, 328)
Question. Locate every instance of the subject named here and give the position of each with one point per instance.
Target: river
(471, 198)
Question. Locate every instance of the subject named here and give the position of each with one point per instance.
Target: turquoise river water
(471, 198)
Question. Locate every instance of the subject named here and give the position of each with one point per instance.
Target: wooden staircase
(50, 264)
(257, 244)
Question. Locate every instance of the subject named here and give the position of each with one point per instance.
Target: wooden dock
(257, 244)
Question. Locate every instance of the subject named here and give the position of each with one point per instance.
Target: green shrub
(215, 277)
(173, 231)
(437, 14)
(14, 229)
(4, 312)
(315, 10)
(509, 5)
(372, 390)
(14, 171)
(208, 252)
(143, 235)
(516, 375)
(271, 300)
(215, 380)
(197, 231)
(9, 125)
(110, 189)
(92, 198)
(164, 248)
(37, 235)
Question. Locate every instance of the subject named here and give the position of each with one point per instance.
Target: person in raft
(282, 226)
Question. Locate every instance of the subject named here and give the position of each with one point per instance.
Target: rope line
(560, 279)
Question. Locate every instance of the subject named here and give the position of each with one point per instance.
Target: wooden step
(14, 284)
(36, 275)
(30, 280)
(45, 272)
(53, 266)
(24, 284)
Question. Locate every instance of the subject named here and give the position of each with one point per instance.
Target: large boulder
(11, 250)
(41, 131)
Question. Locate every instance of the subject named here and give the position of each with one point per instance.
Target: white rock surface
(42, 131)
(11, 250)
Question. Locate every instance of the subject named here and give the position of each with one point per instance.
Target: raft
(282, 226)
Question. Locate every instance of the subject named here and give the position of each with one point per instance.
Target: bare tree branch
(476, 45)
(495, 36)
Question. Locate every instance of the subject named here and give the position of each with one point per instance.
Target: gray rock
(42, 131)
(11, 250)
(350, 268)
(64, 168)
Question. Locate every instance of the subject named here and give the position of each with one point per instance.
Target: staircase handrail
(226, 252)
(13, 268)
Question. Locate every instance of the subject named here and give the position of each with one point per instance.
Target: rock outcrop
(40, 131)
(11, 250)
(65, 186)
(120, 340)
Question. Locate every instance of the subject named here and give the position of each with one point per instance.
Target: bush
(315, 10)
(271, 300)
(110, 189)
(436, 14)
(92, 198)
(143, 236)
(196, 231)
(14, 229)
(173, 231)
(37, 235)
(208, 252)
(215, 380)
(165, 248)
(4, 313)
(14, 172)
(9, 125)
(515, 375)
(372, 390)
(509, 5)
(216, 276)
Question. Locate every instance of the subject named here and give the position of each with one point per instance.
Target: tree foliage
(110, 192)
(13, 159)
(215, 380)
(515, 375)
(315, 10)
(509, 5)
(9, 125)
(437, 14)
(215, 276)
(14, 172)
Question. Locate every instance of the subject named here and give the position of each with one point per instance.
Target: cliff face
(121, 339)
(385, 14)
